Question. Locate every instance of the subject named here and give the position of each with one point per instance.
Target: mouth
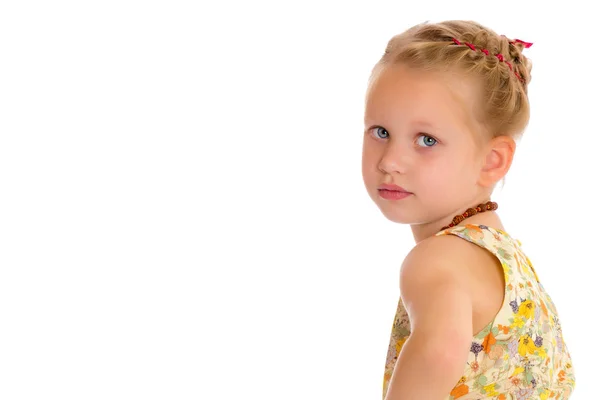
(393, 194)
(392, 188)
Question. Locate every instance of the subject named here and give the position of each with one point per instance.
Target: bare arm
(439, 305)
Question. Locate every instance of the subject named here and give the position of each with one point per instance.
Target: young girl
(443, 109)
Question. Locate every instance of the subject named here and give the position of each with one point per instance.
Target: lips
(392, 188)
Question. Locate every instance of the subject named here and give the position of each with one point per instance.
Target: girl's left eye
(426, 141)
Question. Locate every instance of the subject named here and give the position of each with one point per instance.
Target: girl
(444, 107)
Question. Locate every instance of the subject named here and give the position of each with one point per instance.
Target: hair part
(490, 60)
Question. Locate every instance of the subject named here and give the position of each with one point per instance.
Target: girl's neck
(488, 218)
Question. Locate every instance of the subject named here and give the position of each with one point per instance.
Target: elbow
(428, 367)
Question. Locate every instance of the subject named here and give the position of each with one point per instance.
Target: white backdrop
(182, 209)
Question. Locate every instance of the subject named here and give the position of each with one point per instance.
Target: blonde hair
(477, 52)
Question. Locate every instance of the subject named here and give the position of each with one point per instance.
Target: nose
(394, 158)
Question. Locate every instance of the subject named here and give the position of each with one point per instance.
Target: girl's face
(420, 135)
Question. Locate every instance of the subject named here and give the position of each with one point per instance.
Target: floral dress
(521, 354)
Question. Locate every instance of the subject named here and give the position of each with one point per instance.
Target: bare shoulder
(449, 267)
(438, 258)
(435, 287)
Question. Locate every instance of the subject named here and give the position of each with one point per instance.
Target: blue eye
(379, 131)
(427, 141)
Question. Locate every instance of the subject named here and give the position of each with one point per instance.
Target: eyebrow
(419, 122)
(425, 124)
(422, 122)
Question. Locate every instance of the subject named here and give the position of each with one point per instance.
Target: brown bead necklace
(489, 206)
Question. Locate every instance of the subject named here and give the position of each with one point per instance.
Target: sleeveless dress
(521, 354)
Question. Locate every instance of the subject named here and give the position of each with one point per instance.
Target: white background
(181, 203)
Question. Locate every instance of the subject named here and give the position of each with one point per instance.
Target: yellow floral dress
(521, 354)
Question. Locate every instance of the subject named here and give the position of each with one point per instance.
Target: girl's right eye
(381, 133)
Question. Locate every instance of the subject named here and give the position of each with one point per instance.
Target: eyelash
(420, 135)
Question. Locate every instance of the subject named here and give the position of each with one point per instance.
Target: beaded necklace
(489, 206)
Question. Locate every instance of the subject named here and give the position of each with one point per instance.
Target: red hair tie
(499, 56)
(525, 44)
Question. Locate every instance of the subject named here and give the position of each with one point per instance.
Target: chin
(390, 210)
(397, 217)
(403, 215)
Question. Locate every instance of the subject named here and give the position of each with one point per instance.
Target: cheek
(445, 173)
(369, 174)
(370, 158)
(456, 175)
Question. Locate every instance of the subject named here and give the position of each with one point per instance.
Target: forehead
(401, 93)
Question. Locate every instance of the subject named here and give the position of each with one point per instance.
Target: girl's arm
(434, 290)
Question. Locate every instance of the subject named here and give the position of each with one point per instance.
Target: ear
(497, 160)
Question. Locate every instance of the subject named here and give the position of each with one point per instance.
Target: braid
(521, 64)
(514, 56)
